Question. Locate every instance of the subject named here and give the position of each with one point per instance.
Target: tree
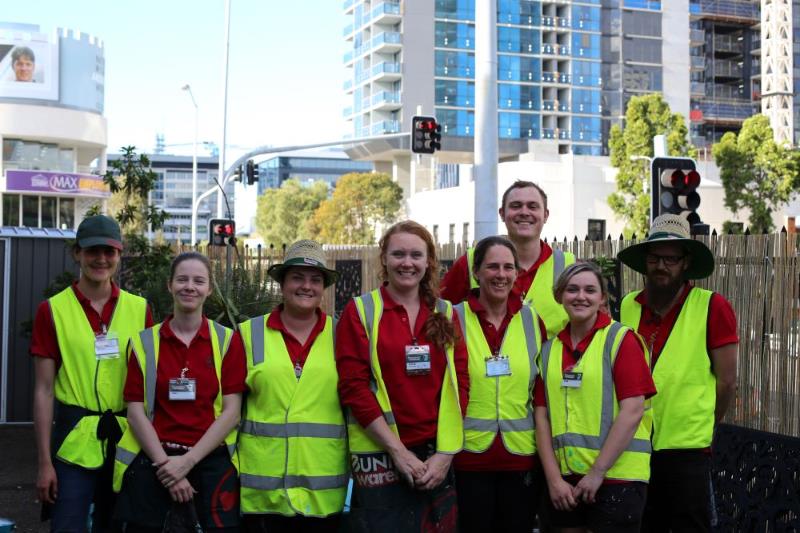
(283, 215)
(359, 203)
(756, 172)
(646, 116)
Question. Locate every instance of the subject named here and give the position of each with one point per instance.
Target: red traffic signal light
(221, 231)
(675, 181)
(425, 135)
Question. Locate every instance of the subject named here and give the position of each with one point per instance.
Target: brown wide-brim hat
(305, 253)
(671, 229)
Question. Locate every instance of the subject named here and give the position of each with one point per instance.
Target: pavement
(18, 500)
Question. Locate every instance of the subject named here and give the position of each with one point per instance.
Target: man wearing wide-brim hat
(692, 338)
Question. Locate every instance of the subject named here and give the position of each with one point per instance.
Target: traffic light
(252, 172)
(425, 135)
(238, 173)
(675, 181)
(221, 231)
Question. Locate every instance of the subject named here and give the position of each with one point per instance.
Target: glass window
(455, 64)
(455, 35)
(654, 5)
(49, 211)
(456, 122)
(641, 23)
(587, 129)
(586, 101)
(641, 50)
(518, 12)
(522, 40)
(586, 18)
(66, 213)
(30, 211)
(10, 209)
(455, 93)
(518, 125)
(523, 97)
(642, 78)
(586, 45)
(596, 230)
(517, 68)
(456, 9)
(586, 73)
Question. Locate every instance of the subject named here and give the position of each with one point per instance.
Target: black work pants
(505, 502)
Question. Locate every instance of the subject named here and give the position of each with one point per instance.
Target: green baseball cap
(99, 230)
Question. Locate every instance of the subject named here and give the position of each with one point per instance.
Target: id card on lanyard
(182, 388)
(498, 365)
(418, 359)
(106, 345)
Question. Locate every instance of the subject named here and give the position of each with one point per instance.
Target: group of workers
(502, 392)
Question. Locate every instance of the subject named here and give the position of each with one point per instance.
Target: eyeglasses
(669, 260)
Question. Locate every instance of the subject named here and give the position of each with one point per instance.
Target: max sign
(56, 182)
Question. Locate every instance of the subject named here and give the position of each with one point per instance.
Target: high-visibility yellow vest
(450, 427)
(292, 450)
(501, 403)
(683, 409)
(581, 418)
(145, 347)
(87, 382)
(540, 293)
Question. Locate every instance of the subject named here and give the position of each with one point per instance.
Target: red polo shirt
(655, 329)
(631, 374)
(184, 422)
(496, 457)
(415, 398)
(44, 342)
(298, 353)
(455, 284)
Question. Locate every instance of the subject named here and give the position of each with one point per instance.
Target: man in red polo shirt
(692, 337)
(524, 212)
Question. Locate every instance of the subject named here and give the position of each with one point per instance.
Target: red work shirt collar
(166, 331)
(276, 322)
(649, 315)
(85, 301)
(513, 305)
(600, 322)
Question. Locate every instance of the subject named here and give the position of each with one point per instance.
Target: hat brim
(88, 242)
(701, 264)
(278, 271)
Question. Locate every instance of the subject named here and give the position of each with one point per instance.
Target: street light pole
(221, 172)
(188, 88)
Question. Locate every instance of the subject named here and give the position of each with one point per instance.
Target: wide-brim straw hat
(671, 229)
(305, 253)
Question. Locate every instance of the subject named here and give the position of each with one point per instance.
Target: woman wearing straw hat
(184, 392)
(292, 451)
(497, 473)
(402, 371)
(592, 430)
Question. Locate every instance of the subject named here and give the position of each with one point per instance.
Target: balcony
(348, 6)
(698, 88)
(727, 69)
(555, 106)
(386, 71)
(347, 112)
(348, 86)
(556, 77)
(548, 133)
(388, 41)
(385, 126)
(564, 135)
(348, 57)
(555, 49)
(728, 44)
(726, 92)
(740, 10)
(697, 37)
(386, 13)
(726, 111)
(697, 63)
(347, 30)
(386, 101)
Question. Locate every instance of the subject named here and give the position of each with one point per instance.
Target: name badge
(182, 389)
(498, 365)
(572, 380)
(106, 346)
(418, 360)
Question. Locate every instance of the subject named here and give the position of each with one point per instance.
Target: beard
(659, 295)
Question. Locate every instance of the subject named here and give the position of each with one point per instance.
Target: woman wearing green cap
(292, 450)
(78, 342)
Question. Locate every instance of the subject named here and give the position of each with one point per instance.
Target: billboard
(28, 66)
(56, 182)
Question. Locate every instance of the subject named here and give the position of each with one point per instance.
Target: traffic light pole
(263, 150)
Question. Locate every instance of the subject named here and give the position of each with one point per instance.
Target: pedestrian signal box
(425, 135)
(674, 190)
(221, 231)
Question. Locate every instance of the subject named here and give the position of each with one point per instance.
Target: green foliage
(646, 116)
(130, 181)
(730, 227)
(243, 294)
(283, 215)
(359, 203)
(756, 172)
(145, 271)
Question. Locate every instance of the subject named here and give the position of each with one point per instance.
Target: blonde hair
(573, 270)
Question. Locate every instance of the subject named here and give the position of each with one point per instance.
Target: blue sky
(285, 72)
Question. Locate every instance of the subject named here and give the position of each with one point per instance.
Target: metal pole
(486, 131)
(224, 104)
(193, 233)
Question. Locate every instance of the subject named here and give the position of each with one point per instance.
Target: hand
(47, 483)
(173, 469)
(587, 487)
(561, 494)
(437, 466)
(182, 491)
(409, 466)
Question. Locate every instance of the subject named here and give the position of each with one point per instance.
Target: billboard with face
(28, 66)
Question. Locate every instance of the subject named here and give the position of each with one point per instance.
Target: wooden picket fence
(758, 274)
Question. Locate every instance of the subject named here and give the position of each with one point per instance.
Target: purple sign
(56, 182)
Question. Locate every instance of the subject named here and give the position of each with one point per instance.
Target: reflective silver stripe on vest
(148, 344)
(221, 340)
(124, 456)
(369, 315)
(528, 326)
(548, 345)
(253, 481)
(441, 306)
(577, 440)
(558, 265)
(293, 429)
(459, 311)
(257, 339)
(480, 424)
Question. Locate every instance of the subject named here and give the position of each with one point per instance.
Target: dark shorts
(680, 495)
(383, 502)
(274, 523)
(617, 508)
(498, 501)
(144, 501)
